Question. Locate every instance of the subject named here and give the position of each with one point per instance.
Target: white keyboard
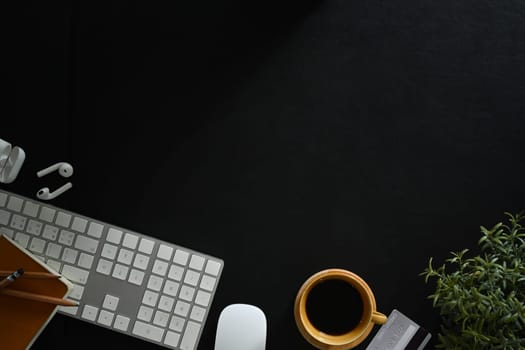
(123, 280)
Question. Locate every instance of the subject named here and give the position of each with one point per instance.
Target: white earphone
(64, 169)
(44, 193)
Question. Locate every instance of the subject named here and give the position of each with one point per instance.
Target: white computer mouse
(241, 327)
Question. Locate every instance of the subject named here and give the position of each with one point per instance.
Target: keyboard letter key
(95, 230)
(79, 224)
(15, 203)
(4, 217)
(146, 246)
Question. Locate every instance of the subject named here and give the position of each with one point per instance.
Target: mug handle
(378, 318)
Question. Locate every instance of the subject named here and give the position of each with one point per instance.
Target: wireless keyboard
(123, 280)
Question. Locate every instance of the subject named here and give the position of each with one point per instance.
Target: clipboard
(21, 320)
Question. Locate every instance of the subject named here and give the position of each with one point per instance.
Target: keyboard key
(203, 298)
(161, 318)
(190, 336)
(77, 292)
(120, 271)
(71, 310)
(136, 277)
(141, 261)
(104, 266)
(114, 236)
(146, 246)
(208, 283)
(53, 250)
(191, 278)
(3, 199)
(121, 323)
(148, 331)
(150, 298)
(130, 241)
(197, 313)
(110, 302)
(79, 224)
(145, 313)
(213, 267)
(85, 260)
(182, 308)
(22, 239)
(155, 283)
(47, 214)
(166, 303)
(197, 262)
(95, 230)
(109, 251)
(69, 255)
(66, 237)
(177, 323)
(176, 272)
(4, 217)
(37, 246)
(86, 244)
(34, 227)
(90, 312)
(55, 265)
(15, 203)
(165, 252)
(105, 318)
(75, 274)
(125, 256)
(31, 209)
(63, 219)
(8, 232)
(186, 293)
(160, 267)
(172, 338)
(171, 288)
(181, 257)
(50, 232)
(18, 222)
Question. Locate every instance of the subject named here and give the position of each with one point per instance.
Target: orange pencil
(42, 275)
(37, 297)
(11, 278)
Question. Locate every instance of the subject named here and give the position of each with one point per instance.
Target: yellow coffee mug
(353, 337)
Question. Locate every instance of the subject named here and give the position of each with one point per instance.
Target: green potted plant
(481, 299)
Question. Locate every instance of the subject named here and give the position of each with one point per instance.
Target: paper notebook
(22, 320)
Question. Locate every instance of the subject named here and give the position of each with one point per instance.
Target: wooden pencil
(11, 278)
(37, 297)
(42, 275)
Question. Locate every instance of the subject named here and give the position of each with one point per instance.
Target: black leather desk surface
(283, 138)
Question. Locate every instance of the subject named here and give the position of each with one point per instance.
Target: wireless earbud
(64, 169)
(46, 195)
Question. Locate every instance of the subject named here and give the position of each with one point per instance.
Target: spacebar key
(148, 331)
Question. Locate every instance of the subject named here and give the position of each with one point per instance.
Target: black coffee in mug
(334, 306)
